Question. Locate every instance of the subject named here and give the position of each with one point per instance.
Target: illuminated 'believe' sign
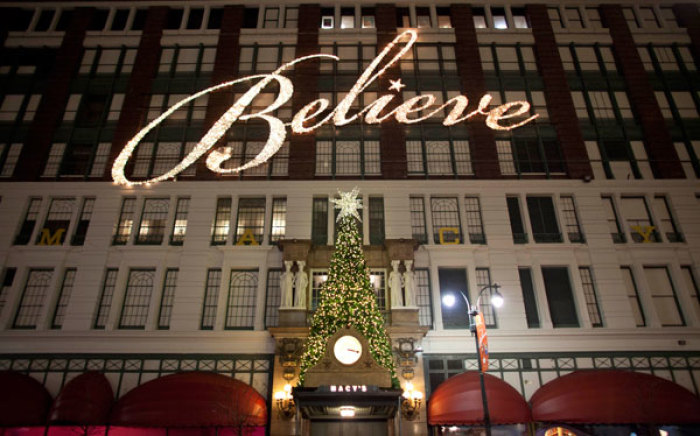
(372, 114)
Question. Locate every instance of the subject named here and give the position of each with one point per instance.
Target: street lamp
(472, 311)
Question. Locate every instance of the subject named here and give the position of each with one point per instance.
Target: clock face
(347, 349)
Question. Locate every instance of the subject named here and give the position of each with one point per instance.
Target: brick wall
(562, 112)
(53, 103)
(481, 140)
(392, 140)
(657, 139)
(228, 52)
(302, 147)
(135, 108)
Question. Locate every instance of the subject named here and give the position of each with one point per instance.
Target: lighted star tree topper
(346, 298)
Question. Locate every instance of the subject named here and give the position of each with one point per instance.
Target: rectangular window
(126, 222)
(167, 299)
(423, 17)
(570, 218)
(278, 219)
(663, 296)
(618, 236)
(419, 231)
(590, 295)
(446, 225)
(137, 299)
(57, 221)
(240, 307)
(195, 17)
(638, 217)
(105, 303)
(347, 18)
(483, 280)
(439, 158)
(32, 301)
(519, 18)
(273, 298)
(368, 18)
(319, 222)
(444, 17)
(423, 297)
(177, 237)
(573, 17)
(376, 220)
(347, 158)
(219, 232)
(377, 278)
(633, 296)
(318, 278)
(77, 160)
(403, 17)
(691, 285)
(153, 220)
(25, 232)
(452, 282)
(11, 158)
(560, 297)
(271, 18)
(667, 225)
(250, 224)
(64, 294)
(211, 299)
(291, 18)
(529, 299)
(479, 18)
(475, 225)
(7, 281)
(81, 227)
(555, 18)
(516, 220)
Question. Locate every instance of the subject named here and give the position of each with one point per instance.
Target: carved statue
(286, 284)
(301, 282)
(409, 284)
(395, 284)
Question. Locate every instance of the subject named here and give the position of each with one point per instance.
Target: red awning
(457, 401)
(614, 397)
(85, 400)
(191, 399)
(23, 400)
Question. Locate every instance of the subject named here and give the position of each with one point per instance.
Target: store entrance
(349, 428)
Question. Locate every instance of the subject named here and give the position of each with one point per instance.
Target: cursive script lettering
(374, 113)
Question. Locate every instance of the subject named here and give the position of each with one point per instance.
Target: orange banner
(483, 341)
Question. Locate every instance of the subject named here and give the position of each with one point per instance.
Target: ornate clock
(347, 349)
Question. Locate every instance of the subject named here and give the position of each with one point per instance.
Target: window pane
(446, 224)
(167, 299)
(251, 221)
(137, 299)
(32, 301)
(663, 296)
(633, 296)
(475, 226)
(279, 219)
(272, 298)
(240, 308)
(423, 297)
(319, 222)
(452, 282)
(153, 219)
(531, 313)
(211, 299)
(591, 298)
(560, 296)
(418, 225)
(63, 298)
(221, 221)
(126, 222)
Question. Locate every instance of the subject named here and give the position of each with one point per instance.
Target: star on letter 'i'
(348, 203)
(396, 85)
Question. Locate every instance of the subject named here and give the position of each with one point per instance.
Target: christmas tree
(346, 298)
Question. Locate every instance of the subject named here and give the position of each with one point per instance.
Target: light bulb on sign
(338, 116)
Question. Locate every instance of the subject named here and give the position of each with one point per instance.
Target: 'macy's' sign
(507, 116)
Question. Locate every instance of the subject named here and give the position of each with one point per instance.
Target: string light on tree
(346, 299)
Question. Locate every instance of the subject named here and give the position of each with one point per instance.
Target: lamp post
(472, 312)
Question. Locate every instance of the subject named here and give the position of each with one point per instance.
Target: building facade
(588, 216)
